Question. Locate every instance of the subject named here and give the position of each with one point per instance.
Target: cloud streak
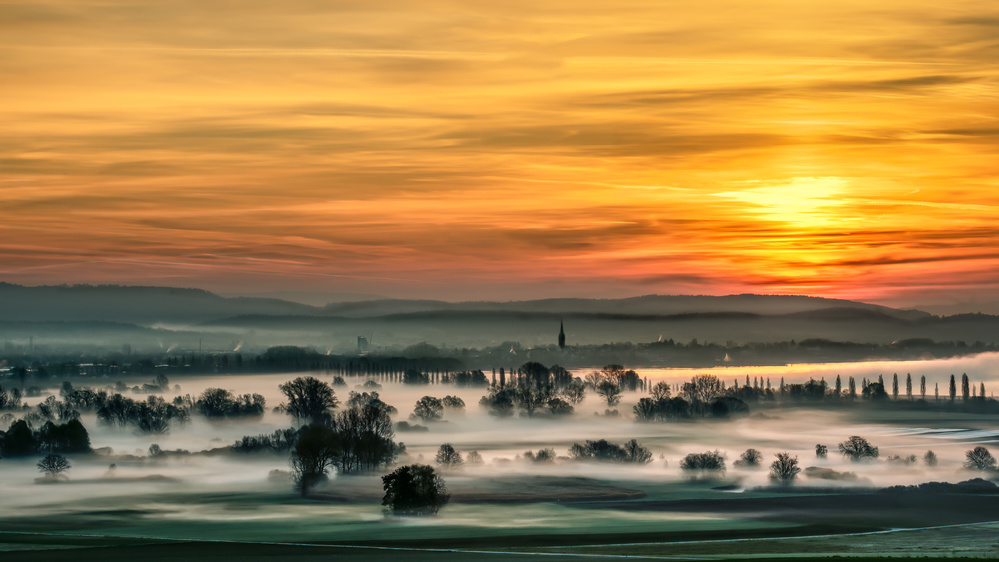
(506, 150)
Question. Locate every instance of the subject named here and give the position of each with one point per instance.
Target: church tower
(561, 335)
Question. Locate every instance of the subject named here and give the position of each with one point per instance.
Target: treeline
(426, 358)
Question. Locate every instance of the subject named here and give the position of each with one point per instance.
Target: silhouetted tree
(412, 376)
(709, 462)
(702, 388)
(979, 458)
(313, 456)
(857, 448)
(908, 386)
(660, 391)
(309, 399)
(18, 441)
(609, 391)
(875, 391)
(953, 388)
(54, 464)
(821, 451)
(602, 450)
(453, 403)
(414, 489)
(70, 437)
(499, 401)
(750, 458)
(930, 458)
(635, 453)
(428, 409)
(784, 469)
(221, 403)
(965, 387)
(574, 392)
(448, 458)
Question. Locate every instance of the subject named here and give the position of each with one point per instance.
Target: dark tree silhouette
(309, 399)
(414, 490)
(784, 469)
(750, 458)
(706, 462)
(313, 456)
(53, 465)
(979, 458)
(857, 448)
(499, 401)
(610, 391)
(965, 387)
(18, 441)
(448, 458)
(930, 458)
(636, 453)
(821, 451)
(574, 392)
(221, 403)
(428, 409)
(953, 388)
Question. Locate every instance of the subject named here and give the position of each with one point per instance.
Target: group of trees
(217, 403)
(431, 409)
(357, 438)
(20, 440)
(703, 396)
(602, 450)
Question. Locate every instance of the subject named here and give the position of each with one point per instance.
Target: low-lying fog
(501, 442)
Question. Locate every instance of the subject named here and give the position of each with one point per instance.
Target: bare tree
(610, 391)
(930, 458)
(979, 458)
(54, 464)
(857, 448)
(750, 458)
(784, 469)
(448, 458)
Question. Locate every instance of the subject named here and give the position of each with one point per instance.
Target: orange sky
(504, 150)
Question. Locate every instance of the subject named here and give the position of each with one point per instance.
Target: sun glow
(633, 147)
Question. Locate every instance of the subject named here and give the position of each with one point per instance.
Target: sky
(504, 150)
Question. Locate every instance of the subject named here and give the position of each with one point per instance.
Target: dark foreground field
(792, 526)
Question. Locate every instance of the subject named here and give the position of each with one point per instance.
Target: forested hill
(170, 305)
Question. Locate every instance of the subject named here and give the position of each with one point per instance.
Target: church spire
(561, 334)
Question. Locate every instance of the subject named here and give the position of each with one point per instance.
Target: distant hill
(138, 305)
(194, 318)
(644, 305)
